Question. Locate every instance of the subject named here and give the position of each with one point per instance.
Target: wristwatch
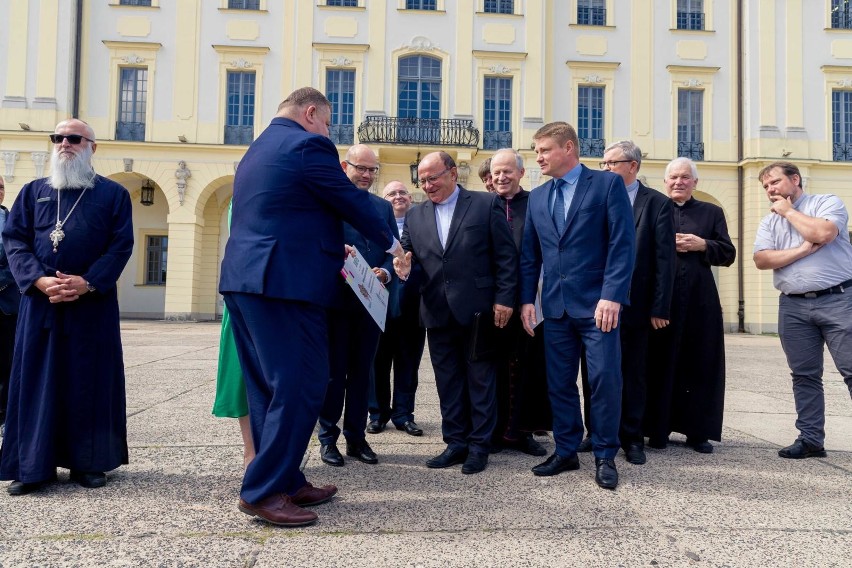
(89, 286)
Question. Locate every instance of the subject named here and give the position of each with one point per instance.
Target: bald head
(75, 126)
(361, 166)
(399, 197)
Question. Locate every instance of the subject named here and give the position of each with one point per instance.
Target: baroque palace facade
(176, 89)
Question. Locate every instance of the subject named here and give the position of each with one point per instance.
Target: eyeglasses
(400, 192)
(611, 163)
(72, 138)
(434, 178)
(363, 169)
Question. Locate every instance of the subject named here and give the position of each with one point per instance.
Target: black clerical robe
(66, 395)
(686, 378)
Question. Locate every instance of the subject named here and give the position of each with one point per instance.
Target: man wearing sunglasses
(68, 238)
(353, 336)
(462, 242)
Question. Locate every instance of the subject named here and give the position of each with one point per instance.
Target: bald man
(67, 237)
(353, 336)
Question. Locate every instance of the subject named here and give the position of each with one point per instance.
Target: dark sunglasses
(72, 138)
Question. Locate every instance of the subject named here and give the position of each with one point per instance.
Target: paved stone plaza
(175, 504)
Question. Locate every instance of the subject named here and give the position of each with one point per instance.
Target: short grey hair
(678, 162)
(630, 150)
(519, 160)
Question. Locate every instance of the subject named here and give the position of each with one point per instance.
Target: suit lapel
(462, 205)
(431, 225)
(639, 203)
(579, 194)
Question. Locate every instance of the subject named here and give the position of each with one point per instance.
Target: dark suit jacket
(654, 272)
(370, 251)
(592, 259)
(290, 195)
(476, 270)
(10, 296)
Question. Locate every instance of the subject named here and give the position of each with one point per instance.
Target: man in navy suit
(650, 296)
(580, 229)
(281, 268)
(353, 336)
(462, 242)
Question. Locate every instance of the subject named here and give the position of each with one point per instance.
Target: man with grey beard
(67, 237)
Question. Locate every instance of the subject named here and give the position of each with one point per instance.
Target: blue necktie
(559, 205)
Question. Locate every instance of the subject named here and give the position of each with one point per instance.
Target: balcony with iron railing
(418, 131)
(692, 150)
(496, 139)
(239, 135)
(133, 131)
(690, 20)
(342, 134)
(842, 152)
(592, 147)
(591, 16)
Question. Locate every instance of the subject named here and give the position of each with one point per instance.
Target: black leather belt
(839, 289)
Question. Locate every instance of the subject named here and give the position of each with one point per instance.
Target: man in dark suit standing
(462, 242)
(282, 265)
(353, 336)
(650, 295)
(580, 229)
(10, 299)
(401, 345)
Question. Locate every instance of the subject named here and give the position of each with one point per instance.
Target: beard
(69, 171)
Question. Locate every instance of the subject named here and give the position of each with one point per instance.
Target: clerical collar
(451, 200)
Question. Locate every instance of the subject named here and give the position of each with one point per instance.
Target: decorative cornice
(420, 43)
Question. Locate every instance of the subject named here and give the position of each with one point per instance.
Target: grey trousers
(805, 326)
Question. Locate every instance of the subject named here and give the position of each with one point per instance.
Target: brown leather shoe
(279, 510)
(308, 495)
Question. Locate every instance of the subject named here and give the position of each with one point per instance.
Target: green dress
(230, 387)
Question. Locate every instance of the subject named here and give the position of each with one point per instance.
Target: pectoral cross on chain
(56, 235)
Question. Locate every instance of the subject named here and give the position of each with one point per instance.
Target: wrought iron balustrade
(592, 146)
(134, 131)
(692, 150)
(342, 134)
(239, 135)
(690, 20)
(496, 139)
(591, 16)
(842, 152)
(425, 131)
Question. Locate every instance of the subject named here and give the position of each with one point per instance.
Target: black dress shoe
(700, 446)
(585, 445)
(606, 475)
(89, 479)
(800, 449)
(411, 428)
(362, 452)
(475, 462)
(527, 445)
(556, 464)
(658, 443)
(20, 488)
(448, 458)
(635, 453)
(331, 455)
(376, 426)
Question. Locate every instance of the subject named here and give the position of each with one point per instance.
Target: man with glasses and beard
(67, 237)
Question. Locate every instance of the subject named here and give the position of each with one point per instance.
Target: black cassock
(686, 375)
(66, 398)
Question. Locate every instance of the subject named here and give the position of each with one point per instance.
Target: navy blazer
(478, 267)
(290, 200)
(654, 273)
(592, 259)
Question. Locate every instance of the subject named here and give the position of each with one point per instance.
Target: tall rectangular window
(497, 113)
(132, 102)
(690, 124)
(239, 118)
(421, 4)
(841, 125)
(690, 14)
(134, 3)
(340, 90)
(590, 117)
(156, 255)
(499, 6)
(244, 4)
(591, 12)
(841, 14)
(342, 3)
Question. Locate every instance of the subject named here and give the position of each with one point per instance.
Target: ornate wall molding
(499, 69)
(39, 160)
(420, 43)
(9, 159)
(182, 174)
(133, 59)
(128, 164)
(242, 63)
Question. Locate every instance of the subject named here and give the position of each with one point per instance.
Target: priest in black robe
(67, 237)
(686, 378)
